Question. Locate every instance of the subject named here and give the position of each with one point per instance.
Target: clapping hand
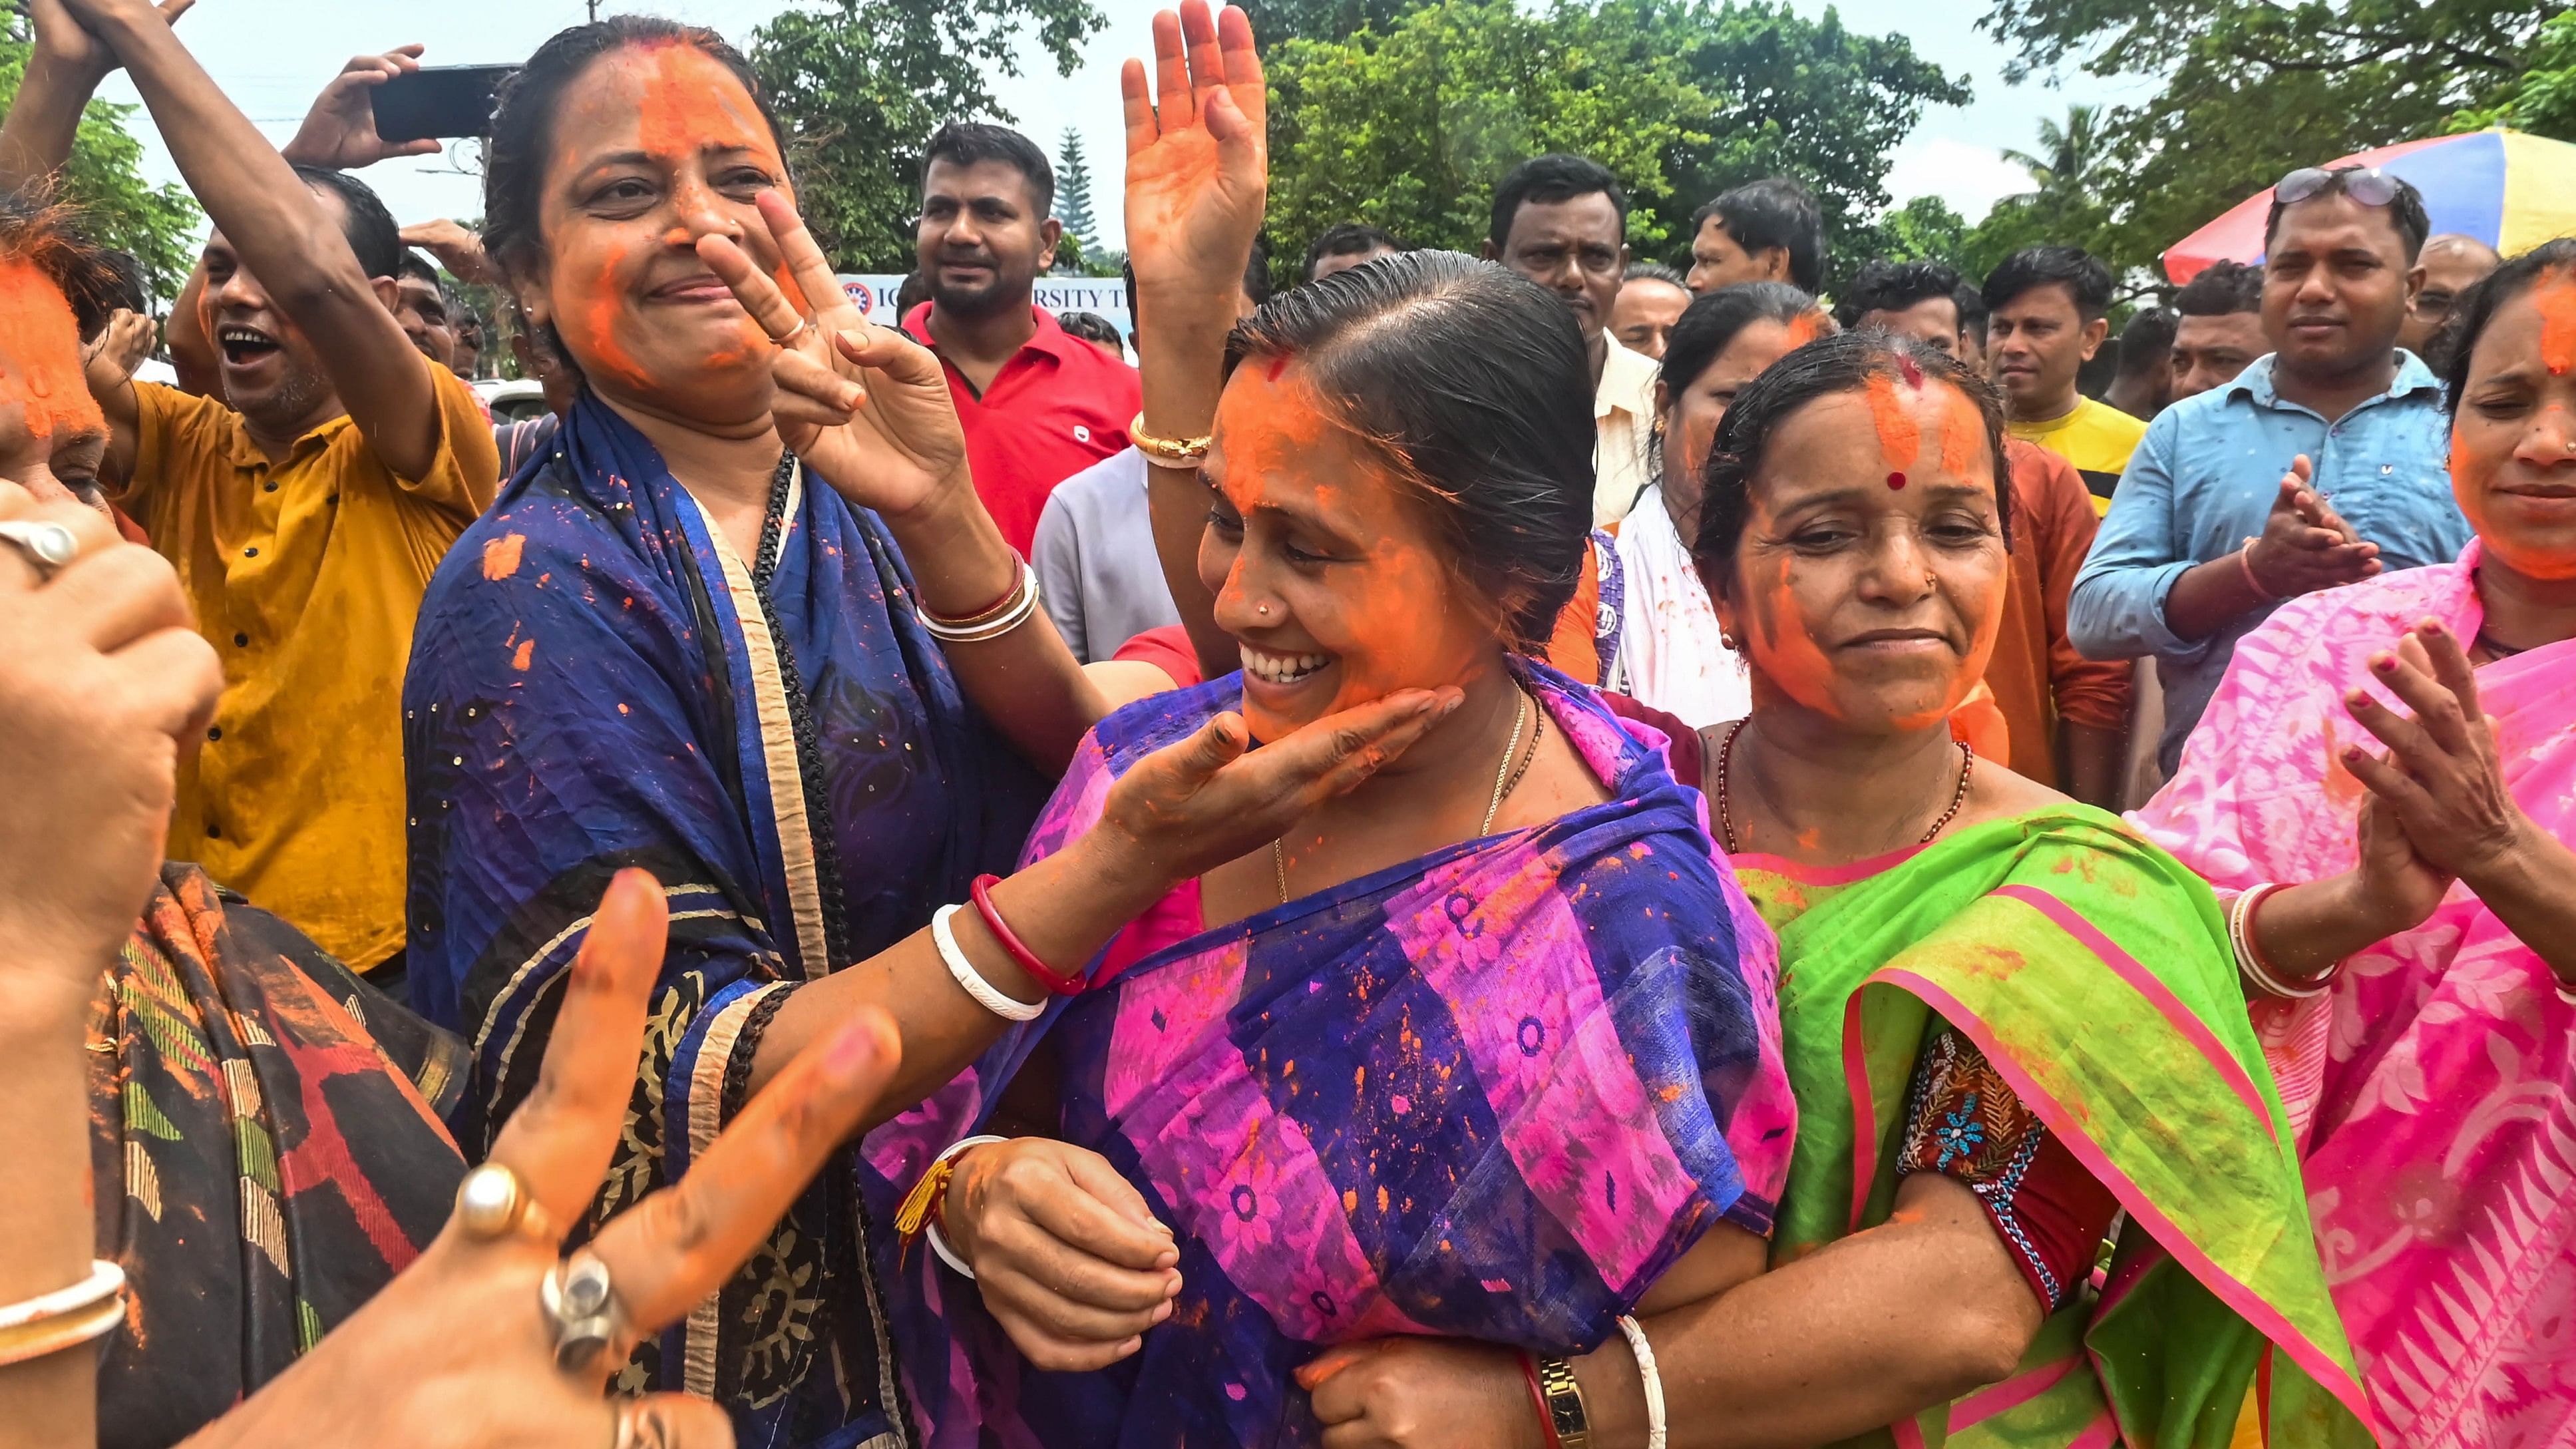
(458, 1350)
(2441, 783)
(2306, 545)
(865, 407)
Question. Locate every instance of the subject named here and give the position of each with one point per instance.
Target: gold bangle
(1183, 453)
(1565, 1406)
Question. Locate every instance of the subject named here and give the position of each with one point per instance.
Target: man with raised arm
(306, 508)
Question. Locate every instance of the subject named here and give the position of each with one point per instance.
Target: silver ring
(581, 1305)
(47, 547)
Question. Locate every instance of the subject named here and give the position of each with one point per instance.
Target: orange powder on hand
(40, 354)
(2555, 296)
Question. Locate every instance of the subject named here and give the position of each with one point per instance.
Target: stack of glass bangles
(1013, 611)
(2249, 956)
(65, 1318)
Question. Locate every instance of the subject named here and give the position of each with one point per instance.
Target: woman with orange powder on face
(2009, 1022)
(1481, 1050)
(1672, 654)
(2384, 788)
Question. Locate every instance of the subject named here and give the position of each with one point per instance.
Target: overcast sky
(272, 55)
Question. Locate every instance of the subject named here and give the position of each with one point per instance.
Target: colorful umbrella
(2508, 189)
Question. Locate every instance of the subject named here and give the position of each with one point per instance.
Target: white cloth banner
(1101, 296)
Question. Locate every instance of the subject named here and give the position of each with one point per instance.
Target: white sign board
(1101, 296)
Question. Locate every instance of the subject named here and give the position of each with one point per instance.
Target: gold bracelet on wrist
(1185, 454)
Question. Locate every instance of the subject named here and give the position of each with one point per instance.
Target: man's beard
(999, 295)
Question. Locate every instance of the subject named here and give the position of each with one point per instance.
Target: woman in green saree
(2012, 1026)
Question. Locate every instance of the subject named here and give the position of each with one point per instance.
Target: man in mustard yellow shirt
(304, 511)
(2048, 306)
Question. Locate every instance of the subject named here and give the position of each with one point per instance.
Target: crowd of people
(1519, 850)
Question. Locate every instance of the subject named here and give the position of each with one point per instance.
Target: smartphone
(437, 102)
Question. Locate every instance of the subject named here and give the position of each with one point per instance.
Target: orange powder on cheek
(1899, 440)
(2555, 296)
(40, 359)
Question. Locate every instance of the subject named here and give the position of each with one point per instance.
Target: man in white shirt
(1562, 222)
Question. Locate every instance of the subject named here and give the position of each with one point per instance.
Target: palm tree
(2071, 157)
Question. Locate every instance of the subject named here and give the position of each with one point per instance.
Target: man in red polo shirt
(1039, 406)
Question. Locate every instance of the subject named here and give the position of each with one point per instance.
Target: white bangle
(1652, 1381)
(986, 994)
(930, 1224)
(67, 1317)
(1010, 614)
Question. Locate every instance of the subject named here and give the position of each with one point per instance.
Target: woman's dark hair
(1839, 364)
(1473, 382)
(1710, 324)
(2479, 304)
(523, 120)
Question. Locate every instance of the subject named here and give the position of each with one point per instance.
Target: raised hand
(63, 41)
(2306, 545)
(109, 359)
(457, 1352)
(457, 249)
(1194, 805)
(2442, 780)
(340, 131)
(1067, 1256)
(1198, 151)
(104, 683)
(865, 407)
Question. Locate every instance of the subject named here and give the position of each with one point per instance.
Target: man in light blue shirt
(2318, 466)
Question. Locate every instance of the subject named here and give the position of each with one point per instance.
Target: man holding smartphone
(305, 506)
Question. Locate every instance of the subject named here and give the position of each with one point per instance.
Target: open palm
(1198, 158)
(865, 407)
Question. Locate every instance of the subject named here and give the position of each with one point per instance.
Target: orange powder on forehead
(2555, 296)
(1899, 440)
(1962, 428)
(40, 358)
(692, 103)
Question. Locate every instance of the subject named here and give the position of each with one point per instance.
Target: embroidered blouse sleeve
(1964, 1122)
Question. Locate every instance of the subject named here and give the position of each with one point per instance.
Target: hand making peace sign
(865, 407)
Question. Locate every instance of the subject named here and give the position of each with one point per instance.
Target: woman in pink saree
(2404, 898)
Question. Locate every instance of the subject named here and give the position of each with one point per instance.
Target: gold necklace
(1506, 780)
(1726, 769)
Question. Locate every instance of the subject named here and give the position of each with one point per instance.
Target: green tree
(157, 224)
(2543, 98)
(863, 83)
(2254, 88)
(1073, 187)
(1409, 129)
(1408, 125)
(1795, 97)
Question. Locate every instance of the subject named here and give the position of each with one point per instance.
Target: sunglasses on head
(2366, 184)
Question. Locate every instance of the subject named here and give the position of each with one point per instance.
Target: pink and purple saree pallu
(2434, 1087)
(1492, 1093)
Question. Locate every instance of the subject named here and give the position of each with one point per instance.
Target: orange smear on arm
(40, 355)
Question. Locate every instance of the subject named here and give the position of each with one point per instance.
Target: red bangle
(1061, 983)
(1538, 1400)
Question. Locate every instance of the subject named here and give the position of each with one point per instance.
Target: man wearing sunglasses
(2319, 465)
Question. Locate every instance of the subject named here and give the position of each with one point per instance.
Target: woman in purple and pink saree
(1494, 1092)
